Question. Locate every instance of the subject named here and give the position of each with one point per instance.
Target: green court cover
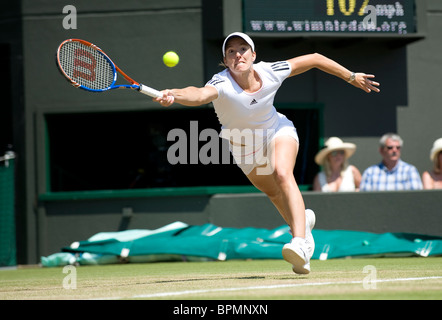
(179, 241)
(8, 249)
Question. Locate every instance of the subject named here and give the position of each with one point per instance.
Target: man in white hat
(243, 96)
(391, 173)
(433, 179)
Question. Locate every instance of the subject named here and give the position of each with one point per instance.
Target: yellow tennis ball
(171, 59)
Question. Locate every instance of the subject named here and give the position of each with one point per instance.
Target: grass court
(372, 278)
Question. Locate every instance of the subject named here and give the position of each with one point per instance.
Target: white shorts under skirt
(248, 157)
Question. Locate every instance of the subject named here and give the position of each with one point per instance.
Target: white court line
(277, 286)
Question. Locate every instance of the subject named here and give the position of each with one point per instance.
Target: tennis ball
(171, 59)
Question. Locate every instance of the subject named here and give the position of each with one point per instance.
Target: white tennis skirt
(255, 149)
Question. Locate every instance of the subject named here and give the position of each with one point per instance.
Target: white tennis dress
(250, 120)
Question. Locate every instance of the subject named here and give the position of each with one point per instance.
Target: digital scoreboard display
(367, 17)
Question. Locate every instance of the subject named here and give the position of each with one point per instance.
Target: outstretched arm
(306, 62)
(190, 96)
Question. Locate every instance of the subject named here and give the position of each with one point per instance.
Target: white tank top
(237, 109)
(347, 183)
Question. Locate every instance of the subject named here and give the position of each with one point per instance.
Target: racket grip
(149, 91)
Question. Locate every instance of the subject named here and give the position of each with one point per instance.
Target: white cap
(245, 37)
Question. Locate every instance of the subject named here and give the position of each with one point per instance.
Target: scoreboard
(345, 17)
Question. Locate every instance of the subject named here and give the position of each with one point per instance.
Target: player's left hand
(364, 81)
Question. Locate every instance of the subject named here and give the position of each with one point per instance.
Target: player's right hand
(167, 99)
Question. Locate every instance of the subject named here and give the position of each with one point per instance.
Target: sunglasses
(391, 147)
(336, 152)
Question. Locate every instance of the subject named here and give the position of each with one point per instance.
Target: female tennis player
(242, 96)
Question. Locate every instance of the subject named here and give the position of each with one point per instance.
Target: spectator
(392, 173)
(336, 174)
(433, 179)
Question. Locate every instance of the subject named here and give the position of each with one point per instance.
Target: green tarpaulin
(7, 210)
(179, 241)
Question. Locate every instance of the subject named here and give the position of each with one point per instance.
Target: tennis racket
(86, 66)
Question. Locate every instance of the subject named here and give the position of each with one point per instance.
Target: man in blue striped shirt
(392, 173)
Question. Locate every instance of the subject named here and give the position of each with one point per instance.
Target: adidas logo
(253, 102)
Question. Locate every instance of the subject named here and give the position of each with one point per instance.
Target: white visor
(245, 37)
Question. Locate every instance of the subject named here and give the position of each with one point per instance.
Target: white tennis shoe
(310, 220)
(296, 253)
(299, 251)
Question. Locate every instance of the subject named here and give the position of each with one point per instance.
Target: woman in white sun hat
(336, 174)
(243, 96)
(433, 179)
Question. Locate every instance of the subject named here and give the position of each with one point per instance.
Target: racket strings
(86, 66)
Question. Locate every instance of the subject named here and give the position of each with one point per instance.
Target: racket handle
(149, 91)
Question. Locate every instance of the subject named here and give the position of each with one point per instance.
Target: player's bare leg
(281, 188)
(280, 185)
